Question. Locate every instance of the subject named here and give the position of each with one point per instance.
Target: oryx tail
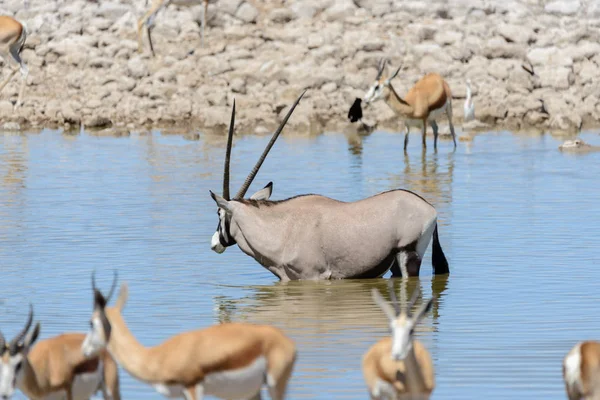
(438, 259)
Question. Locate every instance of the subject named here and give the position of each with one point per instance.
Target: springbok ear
(424, 309)
(221, 202)
(264, 193)
(122, 299)
(31, 336)
(384, 305)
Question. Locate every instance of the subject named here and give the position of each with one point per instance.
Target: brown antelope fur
(399, 365)
(581, 371)
(188, 360)
(155, 7)
(56, 364)
(12, 39)
(426, 101)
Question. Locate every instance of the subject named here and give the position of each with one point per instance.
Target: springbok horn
(112, 288)
(13, 346)
(228, 155)
(413, 299)
(388, 80)
(381, 68)
(393, 297)
(240, 194)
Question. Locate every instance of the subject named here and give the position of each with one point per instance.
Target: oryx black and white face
(402, 321)
(13, 357)
(378, 89)
(223, 238)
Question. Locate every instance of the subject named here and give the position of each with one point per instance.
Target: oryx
(315, 237)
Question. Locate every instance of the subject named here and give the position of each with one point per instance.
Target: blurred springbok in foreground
(315, 237)
(55, 369)
(399, 364)
(426, 101)
(581, 371)
(228, 361)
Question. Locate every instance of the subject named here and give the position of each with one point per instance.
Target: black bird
(355, 112)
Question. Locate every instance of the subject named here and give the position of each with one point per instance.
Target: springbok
(399, 364)
(55, 368)
(12, 39)
(426, 101)
(581, 371)
(148, 19)
(229, 361)
(315, 237)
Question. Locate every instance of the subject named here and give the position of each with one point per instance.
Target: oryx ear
(384, 305)
(122, 299)
(424, 309)
(31, 337)
(221, 202)
(264, 193)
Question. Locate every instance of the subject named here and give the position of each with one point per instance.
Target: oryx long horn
(413, 300)
(13, 346)
(393, 297)
(228, 155)
(240, 194)
(381, 68)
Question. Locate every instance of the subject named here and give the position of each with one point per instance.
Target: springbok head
(402, 320)
(222, 237)
(13, 356)
(98, 336)
(381, 86)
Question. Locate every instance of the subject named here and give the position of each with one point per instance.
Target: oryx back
(316, 237)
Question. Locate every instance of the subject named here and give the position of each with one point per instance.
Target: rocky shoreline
(532, 63)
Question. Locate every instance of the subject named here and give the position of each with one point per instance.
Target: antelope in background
(315, 237)
(426, 101)
(55, 368)
(148, 19)
(228, 361)
(399, 364)
(581, 371)
(12, 39)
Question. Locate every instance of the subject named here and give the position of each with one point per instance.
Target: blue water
(519, 222)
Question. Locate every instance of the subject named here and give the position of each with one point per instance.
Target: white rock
(563, 7)
(549, 56)
(340, 10)
(555, 77)
(137, 67)
(515, 33)
(247, 13)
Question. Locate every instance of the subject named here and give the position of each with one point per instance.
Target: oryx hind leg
(408, 263)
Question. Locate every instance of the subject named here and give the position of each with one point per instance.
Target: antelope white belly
(572, 365)
(237, 384)
(433, 116)
(84, 386)
(383, 390)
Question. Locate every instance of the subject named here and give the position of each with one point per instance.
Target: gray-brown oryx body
(316, 237)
